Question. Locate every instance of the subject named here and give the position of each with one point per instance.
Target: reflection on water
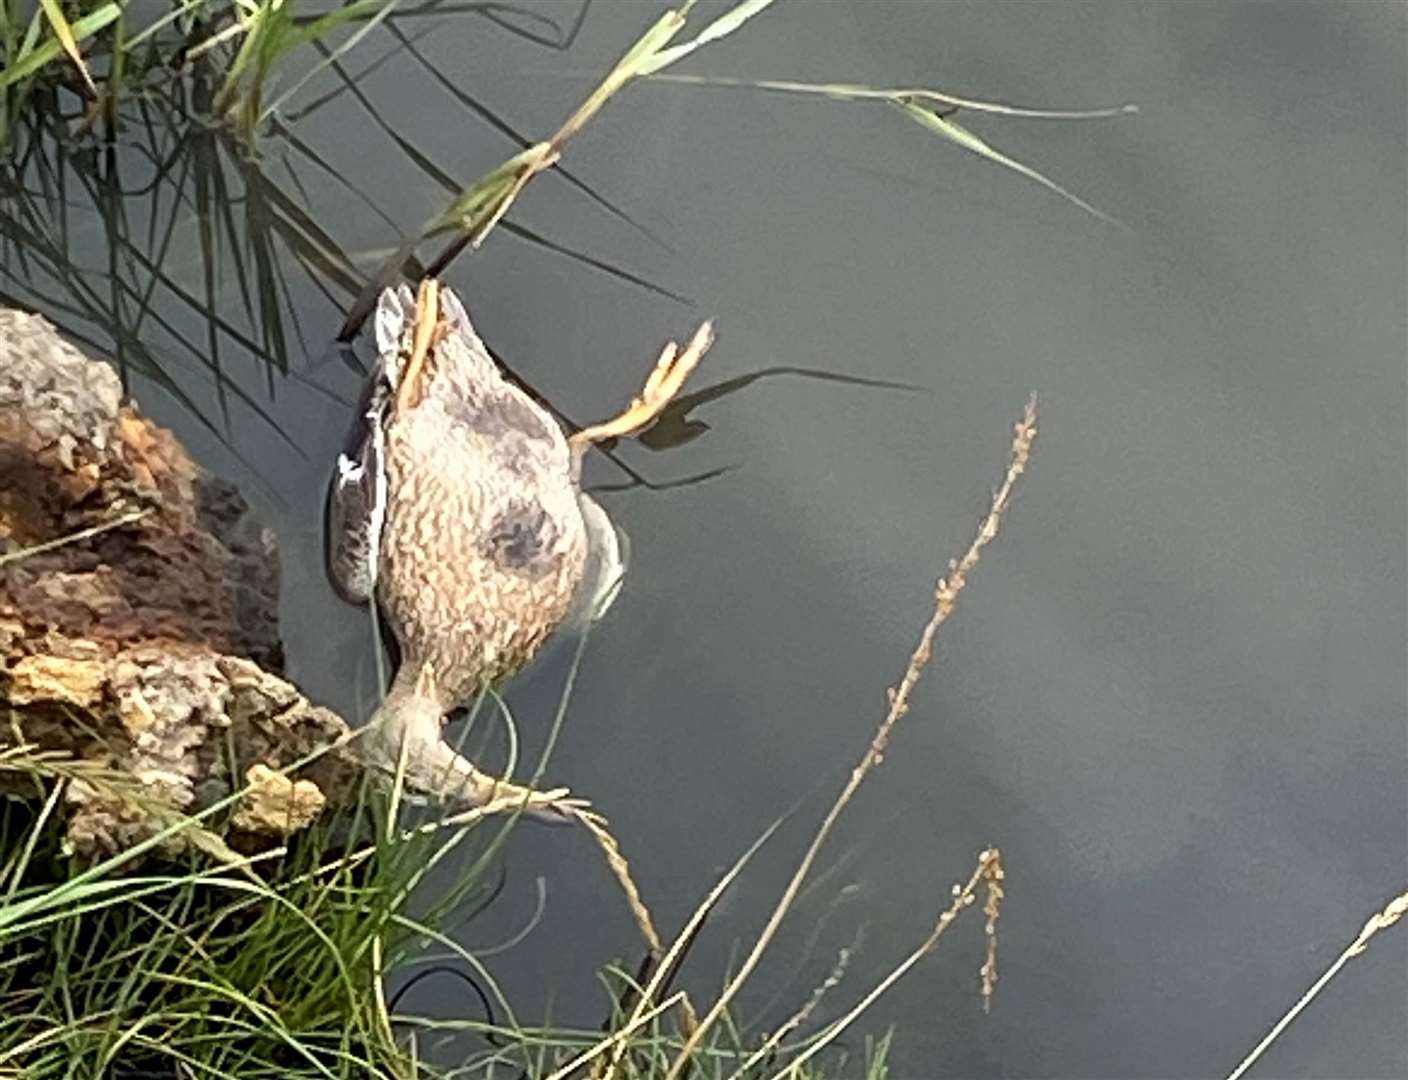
(1173, 696)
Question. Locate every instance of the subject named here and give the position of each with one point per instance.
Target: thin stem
(856, 92)
(75, 537)
(989, 862)
(945, 596)
(1382, 920)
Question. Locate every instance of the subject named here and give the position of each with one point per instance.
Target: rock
(275, 804)
(149, 646)
(57, 679)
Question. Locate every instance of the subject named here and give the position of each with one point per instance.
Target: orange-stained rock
(276, 805)
(57, 680)
(151, 646)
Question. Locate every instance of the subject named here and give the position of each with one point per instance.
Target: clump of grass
(235, 968)
(270, 964)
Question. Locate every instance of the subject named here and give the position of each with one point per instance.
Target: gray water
(1174, 694)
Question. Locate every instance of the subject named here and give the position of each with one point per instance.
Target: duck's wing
(357, 502)
(393, 308)
(356, 507)
(608, 555)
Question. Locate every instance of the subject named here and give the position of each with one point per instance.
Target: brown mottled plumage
(458, 503)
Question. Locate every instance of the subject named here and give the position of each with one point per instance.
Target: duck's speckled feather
(483, 544)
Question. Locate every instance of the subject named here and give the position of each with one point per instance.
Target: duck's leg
(449, 775)
(406, 740)
(671, 370)
(427, 316)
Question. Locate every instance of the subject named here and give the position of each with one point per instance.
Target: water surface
(1174, 694)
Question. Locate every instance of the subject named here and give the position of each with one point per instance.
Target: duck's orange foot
(492, 796)
(422, 340)
(671, 371)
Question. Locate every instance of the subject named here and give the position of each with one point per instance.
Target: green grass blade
(63, 32)
(498, 123)
(960, 135)
(32, 60)
(371, 24)
(317, 27)
(859, 92)
(159, 24)
(721, 27)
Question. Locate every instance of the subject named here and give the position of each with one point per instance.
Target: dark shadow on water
(675, 427)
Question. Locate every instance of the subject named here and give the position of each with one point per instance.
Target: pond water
(1173, 695)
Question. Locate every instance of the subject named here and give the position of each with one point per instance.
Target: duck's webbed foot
(447, 775)
(671, 370)
(410, 745)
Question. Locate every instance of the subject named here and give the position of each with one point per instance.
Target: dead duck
(457, 507)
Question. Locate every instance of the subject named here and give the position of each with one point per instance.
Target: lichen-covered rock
(274, 804)
(58, 679)
(194, 567)
(150, 645)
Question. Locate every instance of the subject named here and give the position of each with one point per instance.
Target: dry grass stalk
(75, 537)
(504, 804)
(992, 908)
(516, 803)
(616, 1038)
(1396, 909)
(989, 868)
(596, 825)
(682, 941)
(945, 598)
(798, 1018)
